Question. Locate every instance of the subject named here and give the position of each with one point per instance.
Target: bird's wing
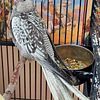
(26, 35)
(49, 46)
(39, 24)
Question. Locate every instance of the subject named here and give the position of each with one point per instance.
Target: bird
(30, 35)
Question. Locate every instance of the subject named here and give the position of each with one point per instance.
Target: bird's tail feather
(57, 70)
(51, 66)
(66, 75)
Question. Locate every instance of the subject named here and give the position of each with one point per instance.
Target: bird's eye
(24, 0)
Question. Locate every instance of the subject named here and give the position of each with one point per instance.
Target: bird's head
(24, 5)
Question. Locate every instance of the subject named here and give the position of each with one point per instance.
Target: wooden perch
(14, 79)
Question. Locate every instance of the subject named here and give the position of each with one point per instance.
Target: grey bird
(31, 37)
